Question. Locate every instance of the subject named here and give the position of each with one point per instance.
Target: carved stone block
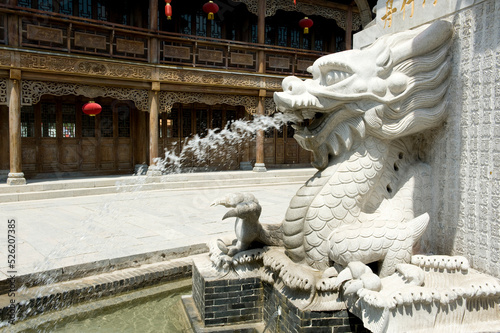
(282, 63)
(177, 52)
(242, 59)
(90, 41)
(210, 55)
(129, 46)
(44, 34)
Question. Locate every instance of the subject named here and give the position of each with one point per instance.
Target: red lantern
(168, 9)
(306, 23)
(92, 108)
(210, 8)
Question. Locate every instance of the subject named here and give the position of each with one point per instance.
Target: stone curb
(34, 301)
(80, 188)
(98, 267)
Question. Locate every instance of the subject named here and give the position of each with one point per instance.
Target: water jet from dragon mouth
(209, 148)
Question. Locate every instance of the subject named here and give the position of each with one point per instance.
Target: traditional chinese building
(159, 81)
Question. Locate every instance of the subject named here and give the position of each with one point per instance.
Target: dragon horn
(434, 36)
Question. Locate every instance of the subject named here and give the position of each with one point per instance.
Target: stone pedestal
(16, 178)
(153, 171)
(226, 299)
(259, 167)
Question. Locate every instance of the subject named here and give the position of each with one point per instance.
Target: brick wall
(294, 320)
(222, 300)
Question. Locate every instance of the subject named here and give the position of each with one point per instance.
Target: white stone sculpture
(367, 202)
(351, 230)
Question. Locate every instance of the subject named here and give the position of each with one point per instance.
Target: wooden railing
(68, 34)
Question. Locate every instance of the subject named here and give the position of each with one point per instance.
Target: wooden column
(261, 69)
(153, 129)
(141, 145)
(13, 27)
(348, 32)
(4, 142)
(153, 25)
(16, 175)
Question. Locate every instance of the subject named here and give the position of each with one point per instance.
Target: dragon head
(393, 88)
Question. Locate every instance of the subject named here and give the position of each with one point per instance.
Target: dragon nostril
(293, 85)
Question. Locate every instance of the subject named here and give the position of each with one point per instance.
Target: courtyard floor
(89, 230)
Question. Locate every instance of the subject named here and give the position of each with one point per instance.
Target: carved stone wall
(32, 91)
(308, 9)
(466, 154)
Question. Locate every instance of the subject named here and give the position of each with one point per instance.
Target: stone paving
(56, 233)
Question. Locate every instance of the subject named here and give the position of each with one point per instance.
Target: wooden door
(270, 146)
(58, 138)
(280, 145)
(291, 146)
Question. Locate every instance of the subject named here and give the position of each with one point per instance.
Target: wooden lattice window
(24, 3)
(201, 122)
(45, 5)
(88, 126)
(217, 119)
(124, 121)
(174, 117)
(201, 24)
(295, 39)
(27, 122)
(48, 115)
(69, 120)
(282, 36)
(85, 8)
(65, 7)
(107, 122)
(173, 124)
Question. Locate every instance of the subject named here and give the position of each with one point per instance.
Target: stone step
(50, 189)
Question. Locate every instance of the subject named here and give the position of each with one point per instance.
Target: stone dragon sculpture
(366, 115)
(365, 112)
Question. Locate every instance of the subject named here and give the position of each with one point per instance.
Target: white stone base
(153, 171)
(259, 167)
(16, 178)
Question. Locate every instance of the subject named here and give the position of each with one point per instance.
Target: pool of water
(156, 309)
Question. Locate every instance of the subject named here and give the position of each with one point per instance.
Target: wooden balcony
(39, 30)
